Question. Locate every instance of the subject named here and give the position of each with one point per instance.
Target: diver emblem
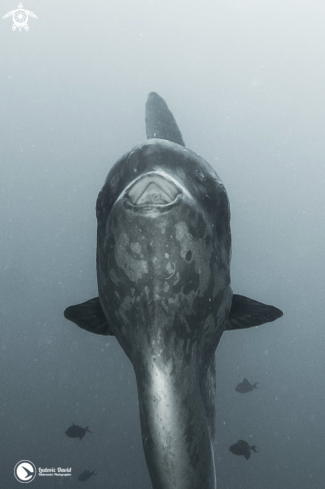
(20, 18)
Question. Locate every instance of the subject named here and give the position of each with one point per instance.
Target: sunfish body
(163, 270)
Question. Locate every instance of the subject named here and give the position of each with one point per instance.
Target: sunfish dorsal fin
(160, 122)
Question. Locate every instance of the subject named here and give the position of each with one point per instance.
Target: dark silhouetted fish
(242, 448)
(76, 431)
(163, 271)
(245, 386)
(86, 474)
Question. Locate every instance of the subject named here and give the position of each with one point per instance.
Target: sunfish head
(163, 246)
(164, 249)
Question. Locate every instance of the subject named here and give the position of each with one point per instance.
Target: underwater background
(245, 81)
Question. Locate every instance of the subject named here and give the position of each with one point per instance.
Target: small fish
(85, 475)
(245, 386)
(75, 431)
(242, 448)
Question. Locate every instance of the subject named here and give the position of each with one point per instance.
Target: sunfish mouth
(153, 189)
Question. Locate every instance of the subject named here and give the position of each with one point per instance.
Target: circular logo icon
(20, 17)
(25, 471)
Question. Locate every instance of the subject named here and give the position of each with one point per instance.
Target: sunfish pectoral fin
(89, 316)
(160, 122)
(246, 313)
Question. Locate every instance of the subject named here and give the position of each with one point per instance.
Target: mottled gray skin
(164, 287)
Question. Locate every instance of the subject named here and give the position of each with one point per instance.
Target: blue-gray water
(245, 80)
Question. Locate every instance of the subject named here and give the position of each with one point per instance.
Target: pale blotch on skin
(199, 255)
(113, 277)
(170, 267)
(162, 227)
(126, 305)
(133, 268)
(136, 248)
